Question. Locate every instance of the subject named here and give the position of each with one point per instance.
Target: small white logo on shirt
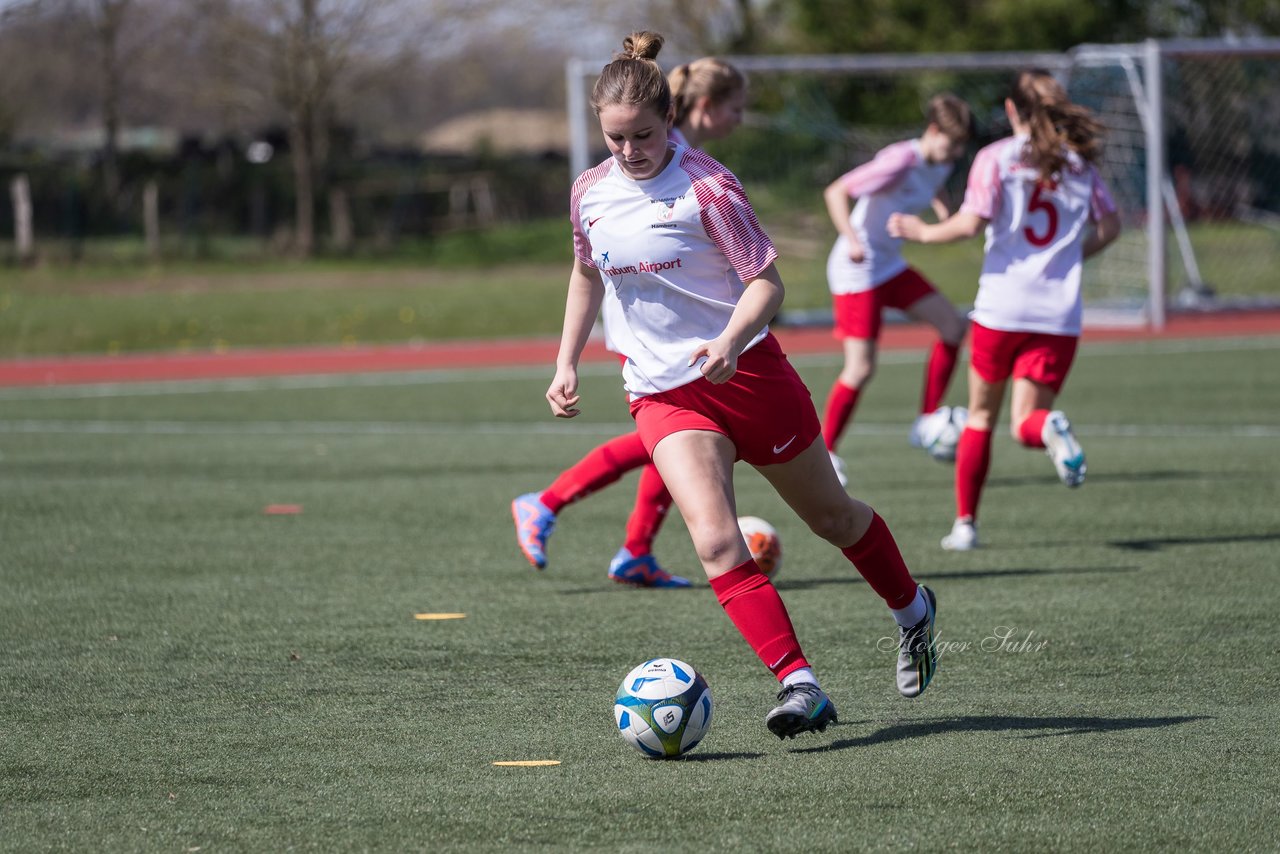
(777, 449)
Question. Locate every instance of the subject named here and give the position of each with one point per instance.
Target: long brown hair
(634, 78)
(951, 115)
(1055, 122)
(703, 78)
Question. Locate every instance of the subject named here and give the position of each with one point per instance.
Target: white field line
(524, 428)
(543, 373)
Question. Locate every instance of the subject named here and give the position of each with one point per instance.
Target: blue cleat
(642, 572)
(534, 523)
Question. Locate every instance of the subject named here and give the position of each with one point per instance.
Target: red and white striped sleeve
(982, 194)
(728, 217)
(587, 180)
(880, 171)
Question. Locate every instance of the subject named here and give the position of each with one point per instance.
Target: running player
(709, 95)
(667, 243)
(1045, 209)
(867, 273)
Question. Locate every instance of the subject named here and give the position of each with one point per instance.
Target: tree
(304, 60)
(720, 26)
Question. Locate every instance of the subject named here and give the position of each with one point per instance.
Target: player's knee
(714, 545)
(835, 525)
(857, 376)
(952, 333)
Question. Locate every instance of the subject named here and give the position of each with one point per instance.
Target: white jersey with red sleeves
(1031, 272)
(674, 251)
(897, 180)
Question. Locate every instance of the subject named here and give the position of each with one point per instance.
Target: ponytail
(1055, 123)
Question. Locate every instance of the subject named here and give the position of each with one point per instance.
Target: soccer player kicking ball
(708, 96)
(867, 273)
(667, 243)
(1045, 209)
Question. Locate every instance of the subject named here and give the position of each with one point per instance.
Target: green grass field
(182, 672)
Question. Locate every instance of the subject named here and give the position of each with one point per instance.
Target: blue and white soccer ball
(663, 708)
(940, 433)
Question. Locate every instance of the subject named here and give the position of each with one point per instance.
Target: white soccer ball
(663, 708)
(763, 543)
(941, 432)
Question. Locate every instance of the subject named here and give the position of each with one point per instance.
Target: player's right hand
(906, 226)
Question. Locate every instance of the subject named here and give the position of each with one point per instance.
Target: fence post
(341, 230)
(151, 218)
(23, 233)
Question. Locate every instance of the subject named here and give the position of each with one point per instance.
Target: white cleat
(963, 537)
(842, 473)
(1061, 446)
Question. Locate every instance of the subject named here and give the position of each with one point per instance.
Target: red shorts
(765, 409)
(858, 315)
(1037, 356)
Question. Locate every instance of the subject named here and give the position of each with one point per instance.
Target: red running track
(77, 370)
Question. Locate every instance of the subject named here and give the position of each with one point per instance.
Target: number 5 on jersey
(1037, 203)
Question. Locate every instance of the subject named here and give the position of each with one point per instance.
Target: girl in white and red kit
(666, 242)
(708, 97)
(1045, 209)
(866, 272)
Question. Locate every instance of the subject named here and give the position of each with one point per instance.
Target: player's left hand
(720, 361)
(563, 393)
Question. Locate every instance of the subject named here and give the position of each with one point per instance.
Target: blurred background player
(867, 273)
(709, 96)
(1036, 193)
(666, 242)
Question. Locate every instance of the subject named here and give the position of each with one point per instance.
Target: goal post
(1193, 135)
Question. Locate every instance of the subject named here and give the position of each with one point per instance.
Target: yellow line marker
(529, 763)
(439, 616)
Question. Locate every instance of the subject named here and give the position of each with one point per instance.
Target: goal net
(1191, 135)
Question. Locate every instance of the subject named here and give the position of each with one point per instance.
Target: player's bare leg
(697, 466)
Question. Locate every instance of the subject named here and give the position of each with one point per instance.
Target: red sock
(840, 405)
(877, 558)
(973, 460)
(652, 503)
(757, 610)
(937, 374)
(1031, 430)
(602, 465)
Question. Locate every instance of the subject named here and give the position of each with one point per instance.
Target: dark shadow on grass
(718, 757)
(1155, 544)
(627, 589)
(1034, 727)
(1165, 476)
(1012, 572)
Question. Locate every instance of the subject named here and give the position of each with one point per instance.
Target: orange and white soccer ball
(763, 543)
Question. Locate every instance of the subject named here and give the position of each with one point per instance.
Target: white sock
(801, 674)
(913, 613)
